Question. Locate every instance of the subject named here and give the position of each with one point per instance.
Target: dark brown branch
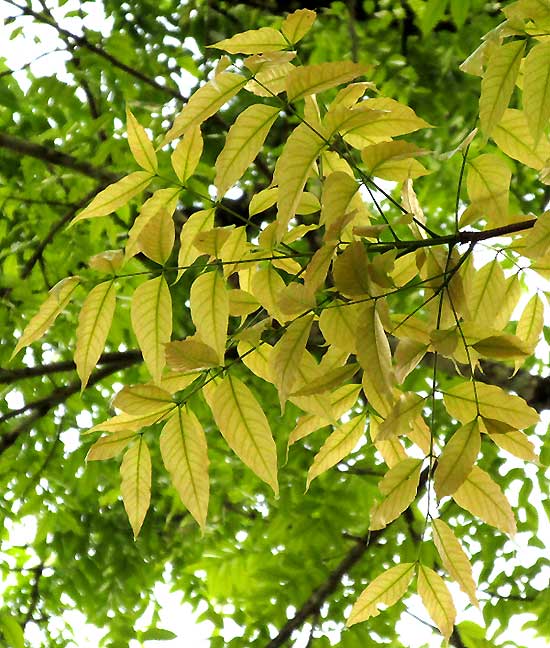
(35, 594)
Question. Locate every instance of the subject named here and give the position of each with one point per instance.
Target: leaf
(135, 484)
(292, 169)
(11, 630)
(270, 79)
(483, 498)
(205, 102)
(108, 261)
(132, 422)
(263, 200)
(516, 443)
(187, 154)
(437, 599)
(115, 196)
(142, 399)
(536, 89)
(329, 380)
(244, 426)
(501, 346)
(267, 284)
(243, 143)
(456, 460)
(156, 239)
(537, 242)
(338, 325)
(210, 310)
(297, 24)
(339, 189)
(350, 271)
(494, 402)
(454, 559)
(386, 589)
(201, 221)
(140, 145)
(488, 182)
(184, 453)
(399, 485)
(242, 303)
(393, 160)
(190, 355)
(498, 83)
(485, 293)
(109, 446)
(312, 79)
(530, 324)
(287, 355)
(338, 445)
(151, 314)
(94, 322)
(513, 137)
(253, 41)
(58, 297)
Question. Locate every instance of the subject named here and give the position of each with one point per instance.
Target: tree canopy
(251, 250)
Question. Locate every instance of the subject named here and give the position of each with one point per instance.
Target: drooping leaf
(141, 399)
(266, 285)
(485, 292)
(190, 355)
(393, 160)
(135, 483)
(488, 182)
(456, 460)
(244, 426)
(184, 453)
(210, 310)
(140, 145)
(437, 599)
(151, 314)
(94, 323)
(201, 221)
(107, 447)
(530, 324)
(536, 88)
(187, 154)
(156, 239)
(297, 24)
(312, 79)
(386, 589)
(516, 443)
(132, 422)
(512, 135)
(58, 297)
(350, 271)
(338, 325)
(253, 41)
(402, 416)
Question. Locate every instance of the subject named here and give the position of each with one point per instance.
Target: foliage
(298, 261)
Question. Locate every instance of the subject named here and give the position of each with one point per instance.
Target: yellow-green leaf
(338, 325)
(184, 453)
(201, 221)
(242, 303)
(156, 239)
(350, 271)
(263, 200)
(187, 154)
(456, 461)
(454, 559)
(536, 88)
(190, 355)
(338, 445)
(399, 485)
(110, 445)
(253, 41)
(488, 183)
(151, 314)
(498, 83)
(243, 143)
(297, 24)
(244, 426)
(270, 79)
(516, 443)
(385, 589)
(115, 196)
(329, 380)
(537, 242)
(483, 498)
(142, 399)
(132, 422)
(437, 599)
(267, 284)
(93, 327)
(312, 79)
(501, 346)
(339, 189)
(135, 484)
(210, 310)
(205, 102)
(58, 297)
(485, 292)
(140, 145)
(393, 160)
(108, 261)
(530, 324)
(512, 135)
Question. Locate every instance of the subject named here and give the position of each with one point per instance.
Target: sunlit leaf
(399, 485)
(516, 443)
(456, 460)
(109, 446)
(512, 135)
(253, 41)
(187, 154)
(201, 221)
(156, 239)
(536, 88)
(393, 160)
(437, 599)
(140, 145)
(141, 399)
(488, 182)
(312, 79)
(135, 483)
(297, 24)
(190, 355)
(210, 310)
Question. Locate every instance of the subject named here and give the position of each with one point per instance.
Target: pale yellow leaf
(392, 451)
(513, 137)
(509, 301)
(253, 41)
(135, 483)
(287, 355)
(108, 261)
(205, 102)
(454, 559)
(241, 303)
(187, 154)
(399, 485)
(488, 182)
(393, 160)
(483, 498)
(115, 196)
(537, 242)
(485, 292)
(156, 239)
(256, 357)
(297, 24)
(142, 399)
(235, 251)
(184, 453)
(140, 145)
(457, 459)
(190, 355)
(151, 314)
(385, 589)
(312, 79)
(408, 354)
(498, 83)
(437, 599)
(347, 121)
(328, 380)
(110, 445)
(243, 143)
(210, 310)
(308, 370)
(201, 221)
(261, 62)
(350, 271)
(58, 297)
(401, 417)
(175, 381)
(502, 346)
(263, 200)
(536, 88)
(516, 443)
(270, 80)
(493, 402)
(295, 299)
(338, 191)
(266, 286)
(244, 426)
(93, 327)
(338, 324)
(530, 324)
(132, 422)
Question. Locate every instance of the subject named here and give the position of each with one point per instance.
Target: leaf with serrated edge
(141, 399)
(187, 154)
(297, 24)
(536, 88)
(483, 498)
(116, 195)
(58, 297)
(242, 144)
(109, 446)
(386, 589)
(456, 460)
(135, 483)
(151, 314)
(399, 485)
(184, 453)
(201, 221)
(253, 41)
(454, 559)
(140, 145)
(437, 599)
(210, 310)
(244, 426)
(312, 79)
(94, 322)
